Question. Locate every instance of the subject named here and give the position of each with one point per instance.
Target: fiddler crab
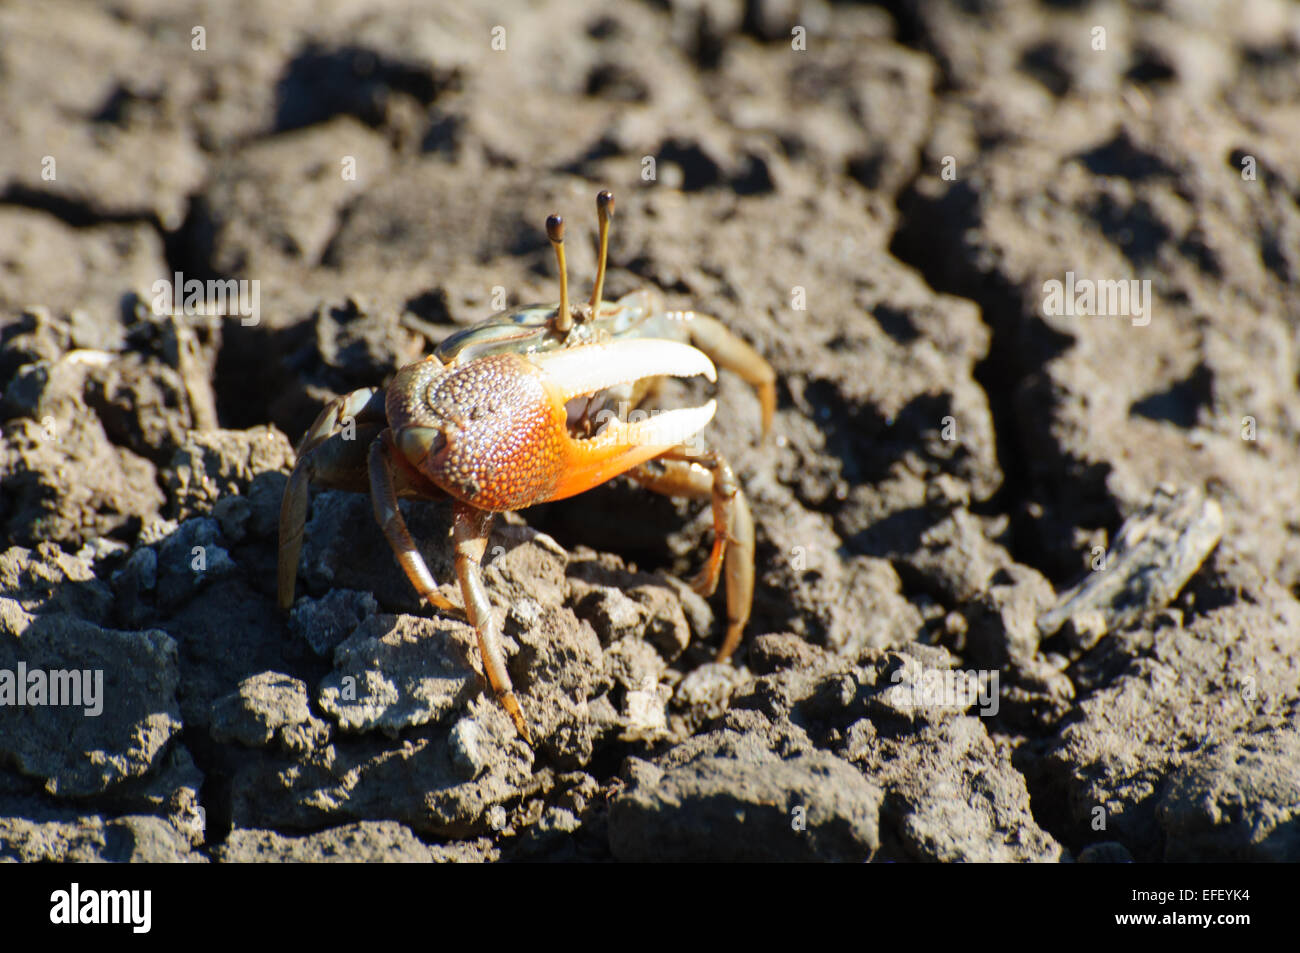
(529, 406)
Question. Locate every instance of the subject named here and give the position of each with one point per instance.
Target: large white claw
(582, 370)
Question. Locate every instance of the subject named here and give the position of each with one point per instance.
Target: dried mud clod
(1027, 579)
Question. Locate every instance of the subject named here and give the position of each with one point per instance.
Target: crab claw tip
(663, 430)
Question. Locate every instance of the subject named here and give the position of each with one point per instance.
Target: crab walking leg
(335, 463)
(325, 456)
(731, 352)
(470, 528)
(329, 458)
(364, 406)
(708, 475)
(293, 517)
(384, 497)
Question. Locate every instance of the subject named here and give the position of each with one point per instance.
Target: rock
(956, 558)
(114, 490)
(226, 633)
(134, 584)
(633, 664)
(1150, 146)
(1238, 800)
(848, 605)
(950, 795)
(1002, 620)
(923, 684)
(91, 839)
(265, 494)
(189, 559)
(233, 514)
(620, 604)
(890, 217)
(324, 623)
(60, 267)
(1106, 852)
(415, 782)
(116, 712)
(171, 793)
(292, 230)
(121, 119)
(49, 580)
(645, 712)
(706, 692)
(636, 668)
(1155, 698)
(357, 345)
(768, 653)
(396, 672)
(561, 671)
(268, 707)
(1040, 693)
(724, 796)
(524, 572)
(467, 749)
(213, 464)
(344, 548)
(148, 406)
(611, 613)
(362, 842)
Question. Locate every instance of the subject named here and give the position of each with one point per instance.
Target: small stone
(268, 707)
(466, 753)
(725, 796)
(706, 691)
(233, 514)
(396, 672)
(216, 463)
(363, 842)
(1106, 852)
(324, 623)
(189, 559)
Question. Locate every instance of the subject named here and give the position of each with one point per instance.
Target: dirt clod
(1027, 560)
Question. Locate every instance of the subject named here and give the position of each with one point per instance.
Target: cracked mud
(1027, 578)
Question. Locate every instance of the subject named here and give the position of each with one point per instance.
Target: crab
(529, 406)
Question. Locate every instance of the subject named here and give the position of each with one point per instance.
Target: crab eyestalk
(555, 232)
(604, 212)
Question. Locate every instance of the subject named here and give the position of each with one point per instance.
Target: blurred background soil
(872, 195)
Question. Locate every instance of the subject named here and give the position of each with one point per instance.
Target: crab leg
(364, 406)
(470, 528)
(383, 495)
(708, 475)
(331, 455)
(731, 352)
